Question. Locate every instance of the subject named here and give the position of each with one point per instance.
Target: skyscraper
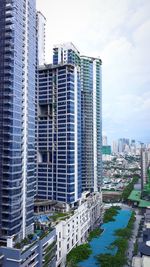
(91, 92)
(115, 146)
(66, 53)
(17, 118)
(59, 133)
(91, 112)
(144, 166)
(41, 23)
(122, 142)
(104, 140)
(69, 129)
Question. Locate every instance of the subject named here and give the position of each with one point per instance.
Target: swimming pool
(101, 244)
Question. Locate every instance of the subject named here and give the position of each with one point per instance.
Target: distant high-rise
(114, 147)
(122, 142)
(17, 118)
(41, 22)
(91, 91)
(66, 53)
(144, 165)
(120, 145)
(59, 133)
(104, 140)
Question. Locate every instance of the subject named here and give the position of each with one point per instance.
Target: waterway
(101, 244)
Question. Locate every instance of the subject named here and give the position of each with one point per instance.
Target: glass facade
(17, 118)
(91, 92)
(91, 112)
(59, 133)
(66, 53)
(40, 27)
(89, 103)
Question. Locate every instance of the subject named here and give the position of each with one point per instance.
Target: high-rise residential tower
(69, 125)
(104, 140)
(59, 133)
(17, 118)
(144, 165)
(91, 112)
(66, 53)
(114, 146)
(91, 91)
(40, 26)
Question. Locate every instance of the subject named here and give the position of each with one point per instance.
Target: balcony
(9, 20)
(9, 64)
(9, 12)
(9, 6)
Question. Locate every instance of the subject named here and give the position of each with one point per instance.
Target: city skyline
(67, 186)
(120, 37)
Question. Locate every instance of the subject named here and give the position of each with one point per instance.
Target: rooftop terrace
(136, 197)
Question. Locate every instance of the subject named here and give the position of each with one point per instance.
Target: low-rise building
(74, 230)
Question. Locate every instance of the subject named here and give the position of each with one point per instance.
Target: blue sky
(119, 32)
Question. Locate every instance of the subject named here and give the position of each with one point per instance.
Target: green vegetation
(29, 241)
(83, 251)
(126, 232)
(119, 259)
(110, 213)
(117, 176)
(48, 249)
(24, 242)
(18, 245)
(95, 233)
(109, 260)
(126, 192)
(78, 254)
(136, 248)
(28, 247)
(30, 236)
(45, 233)
(50, 252)
(60, 215)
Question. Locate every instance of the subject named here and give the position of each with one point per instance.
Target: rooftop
(135, 195)
(67, 46)
(144, 203)
(91, 58)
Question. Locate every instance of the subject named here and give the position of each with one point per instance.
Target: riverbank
(78, 254)
(83, 251)
(119, 259)
(101, 244)
(111, 213)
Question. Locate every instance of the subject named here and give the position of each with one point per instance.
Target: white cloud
(119, 32)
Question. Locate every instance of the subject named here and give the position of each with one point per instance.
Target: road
(130, 250)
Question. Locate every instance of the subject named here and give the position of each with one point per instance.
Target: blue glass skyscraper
(59, 133)
(91, 112)
(17, 118)
(69, 125)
